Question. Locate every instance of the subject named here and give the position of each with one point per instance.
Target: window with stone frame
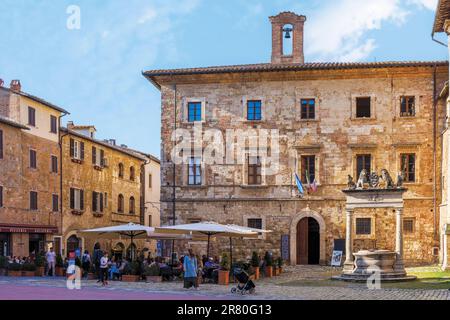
(254, 171)
(150, 180)
(363, 107)
(409, 225)
(132, 174)
(76, 149)
(54, 164)
(194, 171)
(408, 166)
(98, 157)
(1, 144)
(255, 223)
(254, 110)
(363, 226)
(308, 109)
(33, 200)
(363, 161)
(76, 199)
(121, 170)
(55, 203)
(407, 106)
(308, 167)
(97, 202)
(132, 206)
(1, 196)
(194, 111)
(53, 124)
(31, 116)
(120, 203)
(33, 159)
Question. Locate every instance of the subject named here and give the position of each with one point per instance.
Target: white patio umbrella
(211, 229)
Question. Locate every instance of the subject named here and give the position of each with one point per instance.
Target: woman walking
(86, 263)
(104, 264)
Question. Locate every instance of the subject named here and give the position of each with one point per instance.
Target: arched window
(132, 205)
(131, 252)
(120, 204)
(132, 174)
(120, 170)
(73, 243)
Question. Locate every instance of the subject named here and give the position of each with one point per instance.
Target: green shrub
(3, 262)
(225, 263)
(15, 267)
(280, 262)
(29, 267)
(268, 259)
(255, 262)
(39, 261)
(59, 261)
(133, 268)
(152, 271)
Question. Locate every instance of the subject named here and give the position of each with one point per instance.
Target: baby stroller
(245, 285)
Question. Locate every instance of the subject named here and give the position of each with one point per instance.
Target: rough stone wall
(84, 176)
(335, 137)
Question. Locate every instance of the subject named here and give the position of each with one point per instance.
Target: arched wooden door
(308, 241)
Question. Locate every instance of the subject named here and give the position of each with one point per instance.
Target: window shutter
(72, 147)
(102, 157)
(101, 202)
(81, 200)
(1, 196)
(94, 155)
(82, 150)
(1, 144)
(94, 201)
(72, 198)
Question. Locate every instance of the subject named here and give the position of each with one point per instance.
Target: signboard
(339, 245)
(27, 229)
(285, 254)
(336, 259)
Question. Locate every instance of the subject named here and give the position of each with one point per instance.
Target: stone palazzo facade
(333, 119)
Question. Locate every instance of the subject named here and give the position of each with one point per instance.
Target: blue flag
(299, 184)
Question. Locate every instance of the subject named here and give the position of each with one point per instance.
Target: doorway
(308, 241)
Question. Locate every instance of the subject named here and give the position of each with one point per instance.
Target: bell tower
(287, 27)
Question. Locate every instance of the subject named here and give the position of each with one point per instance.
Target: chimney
(1, 82)
(289, 26)
(70, 125)
(15, 85)
(112, 142)
(124, 146)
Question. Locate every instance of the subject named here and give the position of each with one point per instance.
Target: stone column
(399, 266)
(348, 264)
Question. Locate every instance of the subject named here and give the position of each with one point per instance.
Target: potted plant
(28, 270)
(59, 266)
(132, 273)
(280, 265)
(268, 264)
(255, 262)
(152, 273)
(40, 265)
(224, 272)
(3, 265)
(15, 269)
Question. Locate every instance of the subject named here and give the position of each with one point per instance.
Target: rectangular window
(55, 203)
(33, 160)
(33, 200)
(308, 111)
(363, 161)
(76, 149)
(150, 222)
(254, 223)
(408, 166)
(1, 144)
(105, 197)
(31, 116)
(150, 178)
(76, 199)
(308, 169)
(54, 161)
(254, 110)
(194, 111)
(407, 106)
(363, 226)
(53, 124)
(194, 171)
(408, 225)
(254, 171)
(363, 107)
(1, 196)
(97, 202)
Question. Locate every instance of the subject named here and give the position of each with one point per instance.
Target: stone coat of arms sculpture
(373, 181)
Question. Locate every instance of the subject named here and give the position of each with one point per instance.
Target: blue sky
(95, 72)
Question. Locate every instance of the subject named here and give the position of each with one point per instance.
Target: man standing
(190, 270)
(51, 261)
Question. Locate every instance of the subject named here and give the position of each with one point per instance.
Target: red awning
(20, 228)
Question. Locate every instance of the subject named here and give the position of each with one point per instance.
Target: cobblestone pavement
(280, 287)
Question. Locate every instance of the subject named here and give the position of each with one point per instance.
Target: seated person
(113, 270)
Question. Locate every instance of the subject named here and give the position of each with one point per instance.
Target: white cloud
(428, 4)
(336, 32)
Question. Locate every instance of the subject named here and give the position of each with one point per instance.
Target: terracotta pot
(256, 273)
(59, 271)
(28, 273)
(12, 273)
(252, 277)
(40, 272)
(269, 272)
(275, 271)
(280, 270)
(224, 277)
(130, 278)
(153, 278)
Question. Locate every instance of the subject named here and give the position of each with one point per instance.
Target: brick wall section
(340, 138)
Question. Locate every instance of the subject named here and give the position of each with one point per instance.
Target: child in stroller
(245, 285)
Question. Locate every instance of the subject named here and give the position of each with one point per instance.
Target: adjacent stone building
(30, 217)
(333, 120)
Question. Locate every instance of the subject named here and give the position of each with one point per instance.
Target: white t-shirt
(104, 262)
(51, 256)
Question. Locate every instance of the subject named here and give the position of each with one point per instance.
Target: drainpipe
(174, 171)
(61, 178)
(434, 152)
